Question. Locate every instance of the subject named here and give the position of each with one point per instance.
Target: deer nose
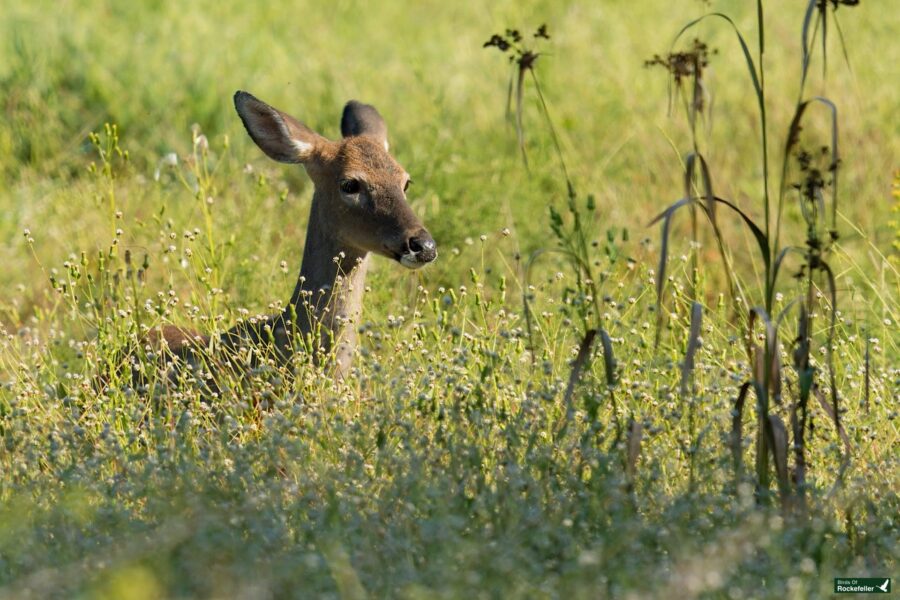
(423, 246)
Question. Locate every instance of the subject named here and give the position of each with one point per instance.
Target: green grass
(447, 465)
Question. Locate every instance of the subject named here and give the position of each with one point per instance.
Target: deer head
(360, 190)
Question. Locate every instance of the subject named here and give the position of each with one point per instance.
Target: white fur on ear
(386, 146)
(303, 148)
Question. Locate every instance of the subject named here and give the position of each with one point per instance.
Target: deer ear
(279, 135)
(363, 119)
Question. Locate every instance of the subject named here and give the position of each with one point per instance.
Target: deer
(359, 208)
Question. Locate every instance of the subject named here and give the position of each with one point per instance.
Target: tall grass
(820, 215)
(525, 418)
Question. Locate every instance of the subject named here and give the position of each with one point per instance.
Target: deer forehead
(366, 158)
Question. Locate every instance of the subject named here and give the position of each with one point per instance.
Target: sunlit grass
(448, 463)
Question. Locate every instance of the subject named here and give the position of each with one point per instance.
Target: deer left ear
(279, 135)
(363, 119)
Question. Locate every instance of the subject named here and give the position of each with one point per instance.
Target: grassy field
(461, 458)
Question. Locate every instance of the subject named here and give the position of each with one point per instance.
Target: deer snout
(420, 250)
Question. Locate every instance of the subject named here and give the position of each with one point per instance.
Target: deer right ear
(279, 135)
(363, 119)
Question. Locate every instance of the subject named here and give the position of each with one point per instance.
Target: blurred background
(155, 69)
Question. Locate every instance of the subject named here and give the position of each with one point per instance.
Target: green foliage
(484, 443)
(895, 220)
(817, 196)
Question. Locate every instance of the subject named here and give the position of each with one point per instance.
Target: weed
(811, 189)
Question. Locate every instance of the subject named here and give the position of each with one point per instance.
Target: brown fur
(176, 339)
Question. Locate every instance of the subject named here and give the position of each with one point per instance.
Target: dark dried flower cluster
(512, 40)
(813, 176)
(689, 63)
(498, 41)
(816, 177)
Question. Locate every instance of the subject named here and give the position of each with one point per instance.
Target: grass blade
(755, 78)
(762, 383)
(775, 375)
(823, 7)
(737, 431)
(584, 353)
(758, 364)
(520, 132)
(805, 42)
(829, 350)
(687, 366)
(835, 157)
(762, 443)
(633, 451)
(868, 373)
(689, 163)
(760, 28)
(709, 196)
(509, 95)
(666, 217)
(609, 360)
(792, 139)
(779, 453)
(782, 254)
(837, 26)
(758, 235)
(800, 411)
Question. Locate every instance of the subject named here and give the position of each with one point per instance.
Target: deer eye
(350, 186)
(406, 185)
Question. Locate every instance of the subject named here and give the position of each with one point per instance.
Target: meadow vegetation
(549, 410)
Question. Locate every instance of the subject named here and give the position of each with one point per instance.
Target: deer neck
(328, 296)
